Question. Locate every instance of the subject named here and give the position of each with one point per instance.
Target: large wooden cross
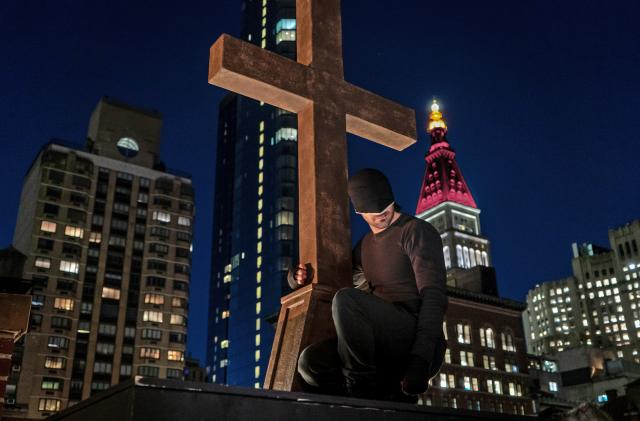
(327, 107)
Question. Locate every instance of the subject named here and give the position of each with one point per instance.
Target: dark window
(182, 252)
(158, 248)
(36, 319)
(178, 268)
(174, 373)
(157, 265)
(60, 323)
(155, 281)
(56, 177)
(82, 182)
(54, 193)
(39, 281)
(177, 337)
(635, 246)
(65, 285)
(151, 334)
(74, 249)
(76, 215)
(186, 206)
(109, 310)
(183, 236)
(159, 232)
(148, 371)
(627, 247)
(161, 201)
(77, 198)
(45, 244)
(180, 286)
(620, 250)
(51, 209)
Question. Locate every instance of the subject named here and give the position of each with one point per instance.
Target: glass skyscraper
(255, 210)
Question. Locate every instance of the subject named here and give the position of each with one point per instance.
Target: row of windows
(154, 354)
(158, 317)
(166, 217)
(467, 257)
(487, 337)
(472, 384)
(65, 266)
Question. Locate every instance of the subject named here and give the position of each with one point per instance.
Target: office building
(255, 213)
(598, 306)
(107, 234)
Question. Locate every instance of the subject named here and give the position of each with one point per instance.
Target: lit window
(284, 218)
(464, 335)
(175, 355)
(257, 355)
(178, 302)
(153, 353)
(443, 380)
(153, 299)
(71, 231)
(286, 134)
(224, 344)
(152, 316)
(48, 226)
(258, 292)
(256, 372)
(95, 237)
(42, 262)
(69, 267)
(553, 386)
(184, 221)
(487, 337)
(258, 307)
(257, 324)
(225, 314)
(55, 363)
(258, 276)
(178, 319)
(161, 216)
(111, 293)
(49, 405)
(258, 340)
(61, 303)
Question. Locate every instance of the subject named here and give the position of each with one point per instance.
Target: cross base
(305, 317)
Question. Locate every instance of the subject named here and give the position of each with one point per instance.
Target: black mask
(370, 191)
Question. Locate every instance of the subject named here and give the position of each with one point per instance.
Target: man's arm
(424, 248)
(359, 280)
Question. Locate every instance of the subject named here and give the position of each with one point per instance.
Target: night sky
(541, 98)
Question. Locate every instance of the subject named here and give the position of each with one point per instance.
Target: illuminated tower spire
(443, 181)
(446, 202)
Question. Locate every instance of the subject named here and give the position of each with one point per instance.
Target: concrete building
(597, 306)
(486, 365)
(255, 213)
(107, 235)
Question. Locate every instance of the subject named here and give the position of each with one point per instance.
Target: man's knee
(344, 300)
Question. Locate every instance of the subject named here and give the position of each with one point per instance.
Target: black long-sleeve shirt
(404, 263)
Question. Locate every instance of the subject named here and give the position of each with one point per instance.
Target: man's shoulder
(412, 223)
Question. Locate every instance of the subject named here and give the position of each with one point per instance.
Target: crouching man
(389, 339)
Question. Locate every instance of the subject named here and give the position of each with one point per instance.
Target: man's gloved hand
(416, 379)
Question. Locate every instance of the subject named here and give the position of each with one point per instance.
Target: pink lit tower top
(446, 202)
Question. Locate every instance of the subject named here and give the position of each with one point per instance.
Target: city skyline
(561, 183)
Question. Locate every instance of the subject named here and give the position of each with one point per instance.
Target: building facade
(598, 306)
(107, 235)
(255, 213)
(486, 365)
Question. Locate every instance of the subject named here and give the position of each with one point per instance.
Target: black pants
(373, 343)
